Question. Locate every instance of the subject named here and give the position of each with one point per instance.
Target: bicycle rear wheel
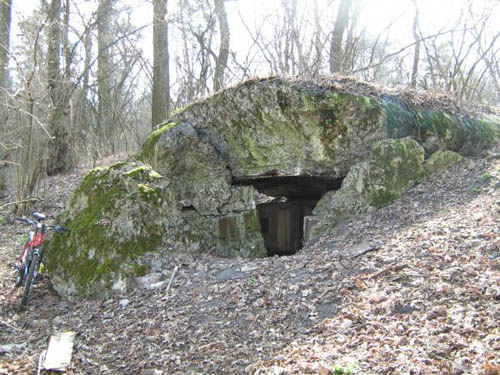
(19, 276)
(29, 279)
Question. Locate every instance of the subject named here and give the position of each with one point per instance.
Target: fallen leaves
(422, 297)
(490, 369)
(359, 284)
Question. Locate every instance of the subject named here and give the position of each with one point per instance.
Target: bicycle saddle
(38, 216)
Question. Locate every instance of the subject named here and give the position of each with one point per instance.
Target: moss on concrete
(186, 202)
(240, 235)
(376, 182)
(148, 151)
(115, 227)
(440, 160)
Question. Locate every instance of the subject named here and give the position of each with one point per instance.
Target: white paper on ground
(59, 352)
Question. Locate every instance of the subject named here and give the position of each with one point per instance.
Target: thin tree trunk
(160, 108)
(66, 42)
(104, 109)
(351, 43)
(59, 149)
(5, 21)
(336, 52)
(54, 50)
(416, 55)
(223, 56)
(318, 45)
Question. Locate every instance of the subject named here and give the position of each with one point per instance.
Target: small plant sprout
(486, 176)
(348, 369)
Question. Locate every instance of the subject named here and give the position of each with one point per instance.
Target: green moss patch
(148, 151)
(109, 233)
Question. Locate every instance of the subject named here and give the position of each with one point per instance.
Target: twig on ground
(171, 279)
(21, 201)
(8, 325)
(391, 268)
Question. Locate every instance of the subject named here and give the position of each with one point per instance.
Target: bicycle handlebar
(25, 221)
(56, 228)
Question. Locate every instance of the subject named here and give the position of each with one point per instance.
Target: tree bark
(66, 43)
(336, 51)
(349, 57)
(223, 55)
(160, 108)
(54, 49)
(104, 37)
(416, 54)
(5, 21)
(59, 149)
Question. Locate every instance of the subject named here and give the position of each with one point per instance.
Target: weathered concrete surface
(392, 165)
(192, 187)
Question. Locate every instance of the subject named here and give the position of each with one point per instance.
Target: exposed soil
(413, 288)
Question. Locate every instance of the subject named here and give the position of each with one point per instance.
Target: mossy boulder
(391, 167)
(125, 217)
(115, 217)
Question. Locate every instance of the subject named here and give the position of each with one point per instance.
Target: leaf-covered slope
(412, 287)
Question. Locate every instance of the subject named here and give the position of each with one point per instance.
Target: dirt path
(411, 288)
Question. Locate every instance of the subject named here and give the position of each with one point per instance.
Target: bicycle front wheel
(29, 279)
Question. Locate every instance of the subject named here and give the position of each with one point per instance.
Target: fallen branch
(6, 162)
(171, 279)
(8, 325)
(21, 201)
(328, 290)
(391, 268)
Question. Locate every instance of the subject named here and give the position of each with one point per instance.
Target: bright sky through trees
(376, 15)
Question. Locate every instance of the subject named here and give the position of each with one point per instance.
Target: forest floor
(412, 288)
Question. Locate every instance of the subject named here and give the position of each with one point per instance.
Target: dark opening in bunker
(282, 205)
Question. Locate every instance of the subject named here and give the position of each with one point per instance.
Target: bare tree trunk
(352, 41)
(59, 150)
(336, 52)
(318, 45)
(223, 56)
(104, 37)
(160, 108)
(66, 42)
(5, 21)
(87, 42)
(54, 50)
(416, 55)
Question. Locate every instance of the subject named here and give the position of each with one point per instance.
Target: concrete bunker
(282, 204)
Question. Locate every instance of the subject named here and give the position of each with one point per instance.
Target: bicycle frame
(36, 241)
(31, 256)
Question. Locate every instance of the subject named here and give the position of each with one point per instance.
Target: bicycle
(29, 261)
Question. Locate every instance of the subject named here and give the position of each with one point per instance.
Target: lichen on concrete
(178, 194)
(441, 160)
(390, 168)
